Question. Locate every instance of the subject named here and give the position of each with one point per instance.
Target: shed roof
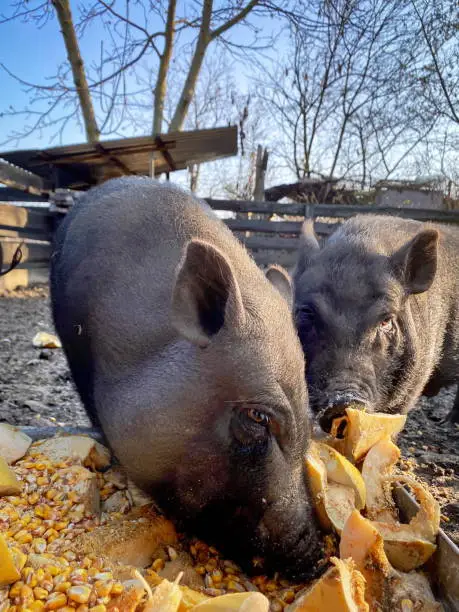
(80, 166)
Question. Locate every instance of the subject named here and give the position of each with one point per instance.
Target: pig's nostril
(329, 415)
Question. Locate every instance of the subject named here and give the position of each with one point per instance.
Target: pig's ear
(307, 248)
(279, 277)
(206, 295)
(416, 261)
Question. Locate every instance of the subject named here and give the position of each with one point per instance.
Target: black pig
(377, 311)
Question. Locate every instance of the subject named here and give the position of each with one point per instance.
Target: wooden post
(260, 173)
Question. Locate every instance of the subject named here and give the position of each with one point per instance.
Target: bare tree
(109, 93)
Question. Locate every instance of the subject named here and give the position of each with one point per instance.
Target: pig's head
(242, 480)
(359, 310)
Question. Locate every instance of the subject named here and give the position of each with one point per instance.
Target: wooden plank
(25, 232)
(30, 252)
(15, 217)
(287, 259)
(257, 207)
(35, 274)
(275, 244)
(333, 210)
(17, 177)
(277, 227)
(9, 194)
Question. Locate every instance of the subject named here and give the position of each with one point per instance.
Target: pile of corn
(76, 534)
(61, 500)
(51, 510)
(222, 576)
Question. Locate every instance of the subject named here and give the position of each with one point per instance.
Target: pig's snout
(337, 408)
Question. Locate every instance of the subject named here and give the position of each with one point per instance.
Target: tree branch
(76, 62)
(234, 20)
(193, 73)
(161, 82)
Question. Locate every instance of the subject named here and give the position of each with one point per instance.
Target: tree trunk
(205, 37)
(161, 82)
(194, 176)
(260, 172)
(193, 73)
(64, 15)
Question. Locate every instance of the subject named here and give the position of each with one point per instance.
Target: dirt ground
(36, 389)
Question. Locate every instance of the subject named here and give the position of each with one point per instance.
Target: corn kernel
(86, 562)
(217, 576)
(26, 594)
(51, 494)
(62, 577)
(40, 593)
(288, 596)
(36, 606)
(26, 520)
(33, 498)
(50, 533)
(235, 586)
(98, 608)
(39, 531)
(103, 587)
(62, 587)
(55, 601)
(23, 537)
(270, 586)
(15, 589)
(47, 584)
(26, 572)
(19, 558)
(83, 608)
(80, 594)
(104, 576)
(41, 510)
(39, 545)
(53, 570)
(158, 565)
(66, 609)
(79, 576)
(117, 588)
(42, 481)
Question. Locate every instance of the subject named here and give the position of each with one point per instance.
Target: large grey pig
(188, 358)
(377, 310)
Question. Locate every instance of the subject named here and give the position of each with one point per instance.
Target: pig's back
(116, 256)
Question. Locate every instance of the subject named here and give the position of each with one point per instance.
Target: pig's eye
(304, 313)
(257, 416)
(386, 325)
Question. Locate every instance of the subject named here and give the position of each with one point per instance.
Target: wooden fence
(270, 241)
(277, 241)
(32, 227)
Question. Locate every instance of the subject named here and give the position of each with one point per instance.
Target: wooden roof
(83, 165)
